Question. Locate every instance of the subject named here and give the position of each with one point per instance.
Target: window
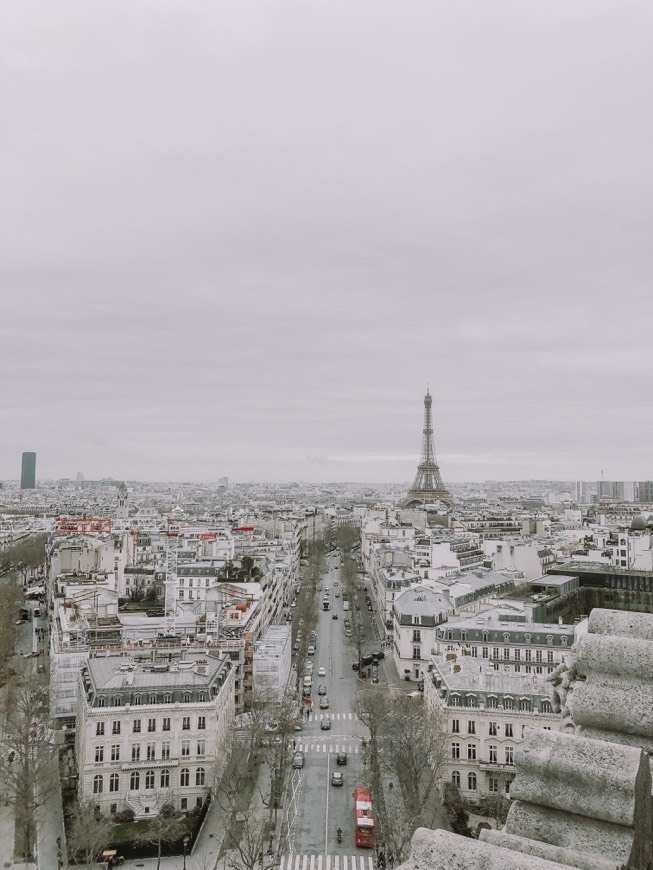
(486, 637)
(181, 594)
(509, 755)
(150, 751)
(136, 726)
(491, 703)
(524, 705)
(149, 779)
(115, 727)
(167, 698)
(184, 776)
(495, 652)
(417, 636)
(134, 781)
(492, 754)
(417, 653)
(117, 701)
(463, 636)
(137, 700)
(115, 752)
(455, 726)
(506, 653)
(538, 655)
(508, 730)
(493, 785)
(493, 729)
(165, 779)
(527, 638)
(563, 641)
(185, 748)
(474, 652)
(152, 699)
(549, 656)
(185, 723)
(546, 706)
(471, 726)
(454, 700)
(151, 725)
(455, 750)
(470, 701)
(507, 704)
(113, 808)
(100, 702)
(201, 723)
(506, 637)
(99, 754)
(471, 781)
(184, 803)
(455, 778)
(114, 782)
(136, 752)
(165, 726)
(201, 747)
(186, 697)
(99, 729)
(98, 784)
(517, 655)
(200, 775)
(484, 652)
(549, 639)
(529, 655)
(471, 752)
(165, 750)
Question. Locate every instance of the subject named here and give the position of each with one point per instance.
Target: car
(348, 632)
(341, 758)
(298, 760)
(321, 689)
(337, 594)
(354, 666)
(325, 724)
(306, 691)
(321, 672)
(337, 778)
(334, 616)
(20, 622)
(324, 703)
(296, 646)
(272, 725)
(311, 650)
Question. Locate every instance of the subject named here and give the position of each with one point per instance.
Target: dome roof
(639, 523)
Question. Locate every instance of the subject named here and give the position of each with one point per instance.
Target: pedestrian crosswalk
(336, 717)
(327, 862)
(318, 746)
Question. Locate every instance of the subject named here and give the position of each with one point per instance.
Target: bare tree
(166, 827)
(405, 754)
(28, 761)
(89, 832)
(11, 600)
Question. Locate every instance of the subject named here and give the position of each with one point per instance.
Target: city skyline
(241, 241)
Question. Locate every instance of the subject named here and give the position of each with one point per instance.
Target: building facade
(151, 733)
(485, 714)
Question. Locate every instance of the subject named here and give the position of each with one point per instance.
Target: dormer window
(506, 637)
(416, 620)
(527, 638)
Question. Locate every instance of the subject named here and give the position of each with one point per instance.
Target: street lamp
(185, 847)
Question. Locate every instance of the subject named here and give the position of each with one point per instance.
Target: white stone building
(484, 714)
(272, 662)
(416, 614)
(152, 732)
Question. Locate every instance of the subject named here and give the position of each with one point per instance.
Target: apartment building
(504, 638)
(152, 732)
(416, 614)
(484, 714)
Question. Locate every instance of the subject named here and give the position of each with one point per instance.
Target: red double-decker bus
(363, 817)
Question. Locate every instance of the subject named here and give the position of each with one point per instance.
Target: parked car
(321, 689)
(298, 759)
(324, 703)
(341, 758)
(337, 778)
(334, 616)
(325, 724)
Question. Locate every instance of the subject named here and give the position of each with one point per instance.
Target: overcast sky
(239, 238)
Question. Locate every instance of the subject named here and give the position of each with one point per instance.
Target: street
(322, 808)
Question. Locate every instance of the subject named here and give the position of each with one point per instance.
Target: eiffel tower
(427, 486)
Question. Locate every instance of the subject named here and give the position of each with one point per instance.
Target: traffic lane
(325, 807)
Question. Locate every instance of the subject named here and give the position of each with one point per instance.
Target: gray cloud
(240, 239)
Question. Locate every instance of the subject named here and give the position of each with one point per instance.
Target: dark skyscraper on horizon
(28, 471)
